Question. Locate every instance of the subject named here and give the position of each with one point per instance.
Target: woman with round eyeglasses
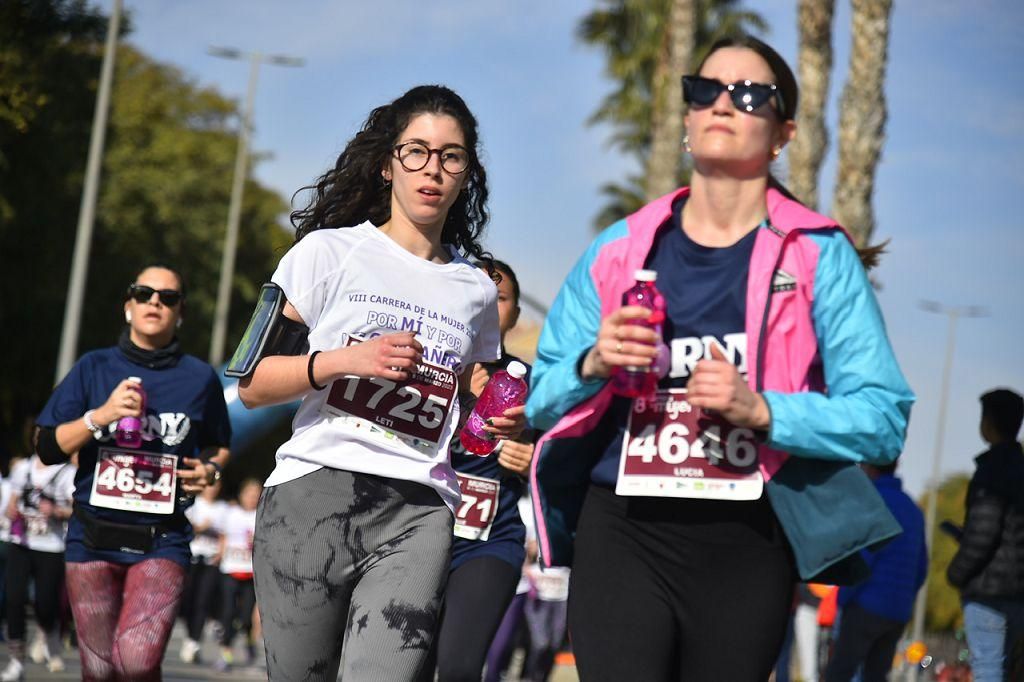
(354, 527)
(128, 538)
(688, 514)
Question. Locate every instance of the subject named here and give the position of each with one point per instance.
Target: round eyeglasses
(415, 156)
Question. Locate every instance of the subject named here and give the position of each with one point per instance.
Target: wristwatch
(97, 431)
(216, 472)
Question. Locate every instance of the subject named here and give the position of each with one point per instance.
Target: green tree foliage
(164, 190)
(943, 612)
(631, 33)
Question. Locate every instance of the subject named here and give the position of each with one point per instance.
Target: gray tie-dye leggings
(350, 570)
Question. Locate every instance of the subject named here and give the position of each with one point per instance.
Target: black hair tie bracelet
(309, 372)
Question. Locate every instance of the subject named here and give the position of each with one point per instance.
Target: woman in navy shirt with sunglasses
(128, 538)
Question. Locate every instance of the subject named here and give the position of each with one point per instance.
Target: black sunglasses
(140, 293)
(746, 96)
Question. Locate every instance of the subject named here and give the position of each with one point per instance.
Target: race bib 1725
(414, 410)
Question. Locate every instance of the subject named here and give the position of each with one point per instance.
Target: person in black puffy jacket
(988, 568)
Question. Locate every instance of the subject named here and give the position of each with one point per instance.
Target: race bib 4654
(134, 481)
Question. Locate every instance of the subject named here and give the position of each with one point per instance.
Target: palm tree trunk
(814, 20)
(862, 118)
(667, 113)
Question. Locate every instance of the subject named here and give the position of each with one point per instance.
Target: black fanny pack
(117, 537)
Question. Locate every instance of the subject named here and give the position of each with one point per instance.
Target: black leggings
(47, 569)
(238, 598)
(649, 602)
(475, 600)
(199, 601)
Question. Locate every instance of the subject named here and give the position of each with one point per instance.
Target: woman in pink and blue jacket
(687, 518)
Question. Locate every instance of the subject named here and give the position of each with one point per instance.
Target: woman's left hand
(195, 476)
(516, 457)
(716, 385)
(509, 426)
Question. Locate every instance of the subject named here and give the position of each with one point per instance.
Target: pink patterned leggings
(124, 615)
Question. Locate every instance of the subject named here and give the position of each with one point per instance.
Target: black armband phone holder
(269, 333)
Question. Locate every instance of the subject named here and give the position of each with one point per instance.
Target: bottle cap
(646, 275)
(516, 369)
(137, 380)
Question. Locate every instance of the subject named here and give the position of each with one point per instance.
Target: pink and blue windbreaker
(819, 355)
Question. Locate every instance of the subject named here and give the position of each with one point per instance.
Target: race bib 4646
(672, 449)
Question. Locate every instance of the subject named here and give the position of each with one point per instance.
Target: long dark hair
(354, 191)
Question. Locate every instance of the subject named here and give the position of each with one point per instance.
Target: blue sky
(946, 189)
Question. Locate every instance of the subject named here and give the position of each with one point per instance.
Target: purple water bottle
(505, 389)
(633, 382)
(128, 433)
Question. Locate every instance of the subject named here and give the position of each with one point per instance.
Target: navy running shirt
(508, 534)
(705, 291)
(185, 414)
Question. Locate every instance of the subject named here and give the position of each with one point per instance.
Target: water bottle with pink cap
(506, 389)
(633, 382)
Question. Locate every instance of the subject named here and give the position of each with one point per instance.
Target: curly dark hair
(354, 191)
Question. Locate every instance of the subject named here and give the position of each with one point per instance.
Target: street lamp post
(87, 209)
(227, 267)
(953, 313)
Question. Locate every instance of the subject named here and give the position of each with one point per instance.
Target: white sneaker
(37, 651)
(189, 651)
(13, 672)
(55, 664)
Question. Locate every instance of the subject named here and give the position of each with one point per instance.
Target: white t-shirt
(356, 283)
(237, 527)
(5, 498)
(202, 512)
(32, 482)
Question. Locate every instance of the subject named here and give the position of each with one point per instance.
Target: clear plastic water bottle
(506, 389)
(128, 433)
(633, 382)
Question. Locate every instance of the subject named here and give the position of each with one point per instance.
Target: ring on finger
(618, 347)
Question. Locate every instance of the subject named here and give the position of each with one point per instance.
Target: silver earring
(177, 325)
(686, 143)
(775, 152)
(128, 316)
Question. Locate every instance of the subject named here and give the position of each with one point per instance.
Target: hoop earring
(686, 144)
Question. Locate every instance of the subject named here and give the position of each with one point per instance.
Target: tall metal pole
(227, 267)
(227, 263)
(954, 314)
(87, 209)
(940, 429)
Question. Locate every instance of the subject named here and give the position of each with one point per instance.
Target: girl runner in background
(39, 507)
(202, 586)
(775, 334)
(488, 553)
(354, 528)
(237, 594)
(128, 550)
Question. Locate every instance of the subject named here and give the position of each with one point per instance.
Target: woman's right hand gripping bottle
(633, 382)
(129, 429)
(506, 389)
